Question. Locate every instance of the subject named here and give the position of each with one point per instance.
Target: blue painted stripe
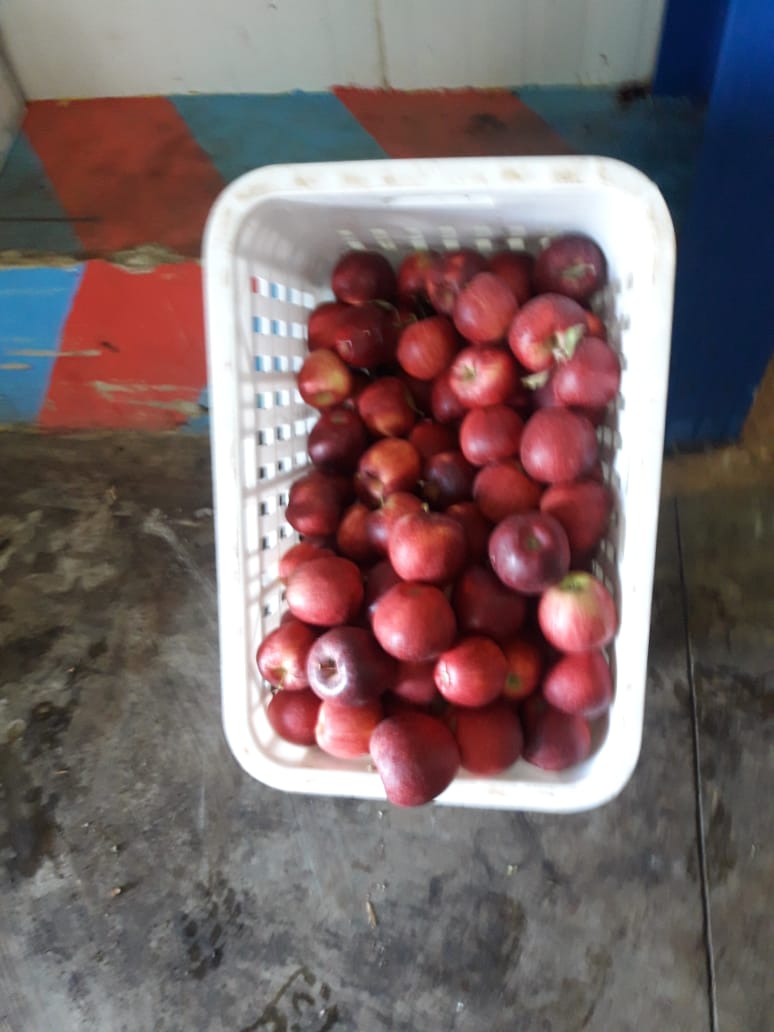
(244, 132)
(34, 304)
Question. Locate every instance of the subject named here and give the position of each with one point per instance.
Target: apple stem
(567, 342)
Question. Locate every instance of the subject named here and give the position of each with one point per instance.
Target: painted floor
(148, 883)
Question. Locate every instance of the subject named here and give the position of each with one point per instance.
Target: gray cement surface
(146, 883)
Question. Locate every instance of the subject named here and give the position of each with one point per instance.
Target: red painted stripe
(127, 171)
(131, 352)
(447, 123)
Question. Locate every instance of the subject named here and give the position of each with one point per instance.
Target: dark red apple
(299, 554)
(379, 579)
(591, 377)
(430, 438)
(483, 605)
(416, 757)
(595, 326)
(572, 265)
(293, 715)
(448, 274)
(324, 380)
(337, 440)
(322, 324)
(477, 528)
(352, 539)
(382, 519)
(503, 488)
(414, 622)
(546, 327)
(347, 666)
(315, 502)
(553, 740)
(484, 309)
(415, 683)
(427, 347)
(366, 336)
(386, 407)
(445, 406)
(361, 276)
(427, 547)
(580, 683)
(412, 275)
(446, 479)
(484, 376)
(421, 392)
(283, 653)
(325, 592)
(578, 614)
(490, 739)
(345, 731)
(525, 662)
(558, 445)
(583, 508)
(390, 465)
(529, 551)
(472, 672)
(490, 434)
(515, 269)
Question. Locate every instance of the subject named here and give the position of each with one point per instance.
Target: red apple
(483, 605)
(390, 465)
(299, 554)
(324, 380)
(415, 683)
(477, 528)
(325, 592)
(595, 326)
(529, 551)
(490, 434)
(347, 666)
(583, 508)
(447, 478)
(553, 740)
(337, 440)
(366, 336)
(386, 407)
(524, 660)
(484, 376)
(282, 655)
(578, 614)
(572, 265)
(547, 326)
(345, 731)
(412, 274)
(449, 274)
(382, 519)
(484, 309)
(430, 438)
(445, 406)
(315, 502)
(352, 538)
(427, 347)
(322, 324)
(503, 488)
(580, 683)
(421, 392)
(361, 276)
(591, 377)
(416, 757)
(427, 547)
(293, 715)
(558, 445)
(379, 579)
(490, 739)
(414, 622)
(515, 269)
(472, 672)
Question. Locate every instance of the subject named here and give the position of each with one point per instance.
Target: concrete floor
(147, 884)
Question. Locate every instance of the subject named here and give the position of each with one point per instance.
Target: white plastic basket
(271, 241)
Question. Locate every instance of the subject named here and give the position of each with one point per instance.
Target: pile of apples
(441, 612)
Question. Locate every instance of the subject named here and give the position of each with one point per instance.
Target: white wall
(75, 48)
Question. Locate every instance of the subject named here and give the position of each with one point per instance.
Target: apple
(412, 274)
(322, 324)
(572, 265)
(591, 377)
(430, 438)
(415, 683)
(299, 554)
(325, 592)
(529, 552)
(346, 665)
(558, 445)
(580, 683)
(595, 326)
(553, 740)
(477, 528)
(352, 539)
(293, 715)
(472, 672)
(490, 739)
(314, 503)
(583, 508)
(484, 309)
(282, 655)
(345, 731)
(390, 465)
(483, 605)
(324, 380)
(416, 757)
(414, 622)
(386, 407)
(448, 274)
(427, 347)
(490, 434)
(484, 376)
(337, 440)
(525, 661)
(445, 406)
(379, 579)
(447, 478)
(427, 547)
(515, 269)
(361, 276)
(384, 517)
(547, 326)
(366, 336)
(503, 488)
(578, 614)
(420, 390)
